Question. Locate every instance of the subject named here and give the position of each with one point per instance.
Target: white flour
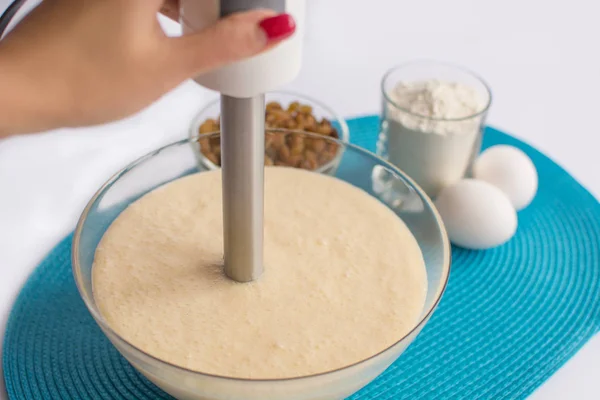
(428, 134)
(438, 100)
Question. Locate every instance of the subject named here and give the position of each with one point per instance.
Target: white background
(541, 59)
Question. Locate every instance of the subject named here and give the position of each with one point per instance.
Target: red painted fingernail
(278, 27)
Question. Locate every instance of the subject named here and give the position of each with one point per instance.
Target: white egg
(510, 170)
(477, 215)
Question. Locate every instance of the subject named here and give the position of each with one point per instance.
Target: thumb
(234, 38)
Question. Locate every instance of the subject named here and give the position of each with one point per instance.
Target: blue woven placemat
(509, 319)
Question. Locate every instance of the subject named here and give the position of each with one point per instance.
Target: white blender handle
(261, 73)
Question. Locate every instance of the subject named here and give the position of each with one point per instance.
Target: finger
(231, 39)
(170, 9)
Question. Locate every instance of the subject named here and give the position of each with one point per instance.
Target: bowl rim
(344, 129)
(456, 67)
(92, 308)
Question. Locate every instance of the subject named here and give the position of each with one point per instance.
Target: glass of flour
(432, 121)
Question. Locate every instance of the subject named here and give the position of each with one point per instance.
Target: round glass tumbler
(177, 160)
(435, 152)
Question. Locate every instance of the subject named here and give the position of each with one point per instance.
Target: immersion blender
(242, 86)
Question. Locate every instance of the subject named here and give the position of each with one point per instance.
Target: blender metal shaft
(242, 166)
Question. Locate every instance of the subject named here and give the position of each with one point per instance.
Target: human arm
(81, 63)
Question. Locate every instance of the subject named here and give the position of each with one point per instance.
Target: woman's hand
(74, 63)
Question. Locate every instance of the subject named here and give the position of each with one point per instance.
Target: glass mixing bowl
(357, 166)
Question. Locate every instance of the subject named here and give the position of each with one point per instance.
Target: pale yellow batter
(344, 278)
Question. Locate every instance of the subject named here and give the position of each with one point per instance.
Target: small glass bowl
(213, 109)
(435, 152)
(177, 160)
